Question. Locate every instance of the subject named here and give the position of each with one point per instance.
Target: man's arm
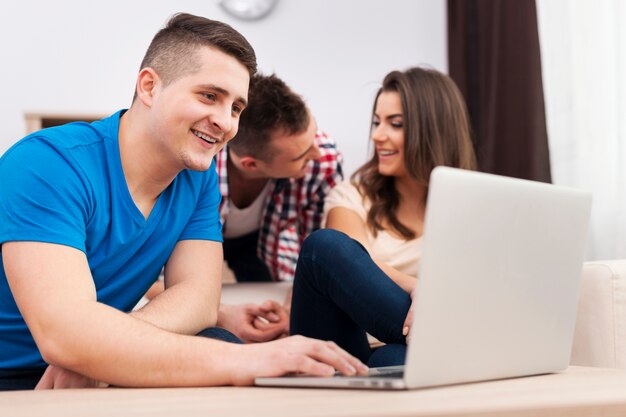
(171, 309)
(54, 290)
(191, 298)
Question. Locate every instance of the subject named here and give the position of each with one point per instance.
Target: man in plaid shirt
(273, 179)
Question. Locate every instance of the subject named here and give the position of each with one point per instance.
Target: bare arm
(349, 222)
(186, 279)
(54, 290)
(191, 298)
(249, 322)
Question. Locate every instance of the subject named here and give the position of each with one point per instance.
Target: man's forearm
(124, 351)
(182, 308)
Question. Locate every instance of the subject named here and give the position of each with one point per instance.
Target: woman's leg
(387, 355)
(339, 293)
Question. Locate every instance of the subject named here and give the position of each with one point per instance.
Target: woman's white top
(401, 254)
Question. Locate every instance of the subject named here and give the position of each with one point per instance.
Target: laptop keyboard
(391, 374)
(383, 372)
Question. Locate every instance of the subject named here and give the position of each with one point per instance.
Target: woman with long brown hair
(358, 274)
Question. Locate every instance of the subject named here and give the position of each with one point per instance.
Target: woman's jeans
(339, 294)
(27, 378)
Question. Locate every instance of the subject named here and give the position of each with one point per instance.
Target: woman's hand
(408, 321)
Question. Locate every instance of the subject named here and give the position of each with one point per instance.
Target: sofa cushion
(254, 292)
(600, 334)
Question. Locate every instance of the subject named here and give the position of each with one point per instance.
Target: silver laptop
(498, 284)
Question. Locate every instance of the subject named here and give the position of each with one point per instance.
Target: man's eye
(210, 96)
(237, 109)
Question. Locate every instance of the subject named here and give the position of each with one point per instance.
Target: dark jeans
(241, 255)
(27, 378)
(20, 378)
(339, 294)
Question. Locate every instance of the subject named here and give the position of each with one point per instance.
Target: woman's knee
(319, 257)
(328, 243)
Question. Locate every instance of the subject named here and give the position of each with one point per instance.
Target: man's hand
(255, 323)
(57, 378)
(276, 316)
(296, 354)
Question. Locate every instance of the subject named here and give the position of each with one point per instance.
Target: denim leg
(219, 334)
(240, 254)
(339, 293)
(388, 355)
(20, 378)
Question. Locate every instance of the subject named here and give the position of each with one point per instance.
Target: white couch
(600, 335)
(254, 292)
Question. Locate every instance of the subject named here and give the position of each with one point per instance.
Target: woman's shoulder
(346, 195)
(346, 191)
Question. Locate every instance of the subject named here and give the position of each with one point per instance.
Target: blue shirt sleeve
(205, 223)
(43, 197)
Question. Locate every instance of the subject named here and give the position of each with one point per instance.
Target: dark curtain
(494, 58)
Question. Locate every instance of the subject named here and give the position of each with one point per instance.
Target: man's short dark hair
(272, 107)
(172, 52)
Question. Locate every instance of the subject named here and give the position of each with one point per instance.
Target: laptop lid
(499, 278)
(498, 283)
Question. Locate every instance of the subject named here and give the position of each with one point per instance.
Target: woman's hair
(436, 132)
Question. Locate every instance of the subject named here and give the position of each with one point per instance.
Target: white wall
(71, 56)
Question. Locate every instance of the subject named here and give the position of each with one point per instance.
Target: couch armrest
(600, 334)
(254, 292)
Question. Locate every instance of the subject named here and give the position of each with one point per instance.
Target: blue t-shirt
(65, 185)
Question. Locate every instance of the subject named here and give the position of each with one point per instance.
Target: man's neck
(144, 171)
(243, 187)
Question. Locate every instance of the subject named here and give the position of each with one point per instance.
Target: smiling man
(274, 177)
(90, 213)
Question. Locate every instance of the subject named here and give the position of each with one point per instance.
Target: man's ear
(249, 163)
(147, 81)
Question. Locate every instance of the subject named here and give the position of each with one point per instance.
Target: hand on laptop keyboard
(295, 354)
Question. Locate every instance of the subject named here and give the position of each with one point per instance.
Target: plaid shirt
(293, 207)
